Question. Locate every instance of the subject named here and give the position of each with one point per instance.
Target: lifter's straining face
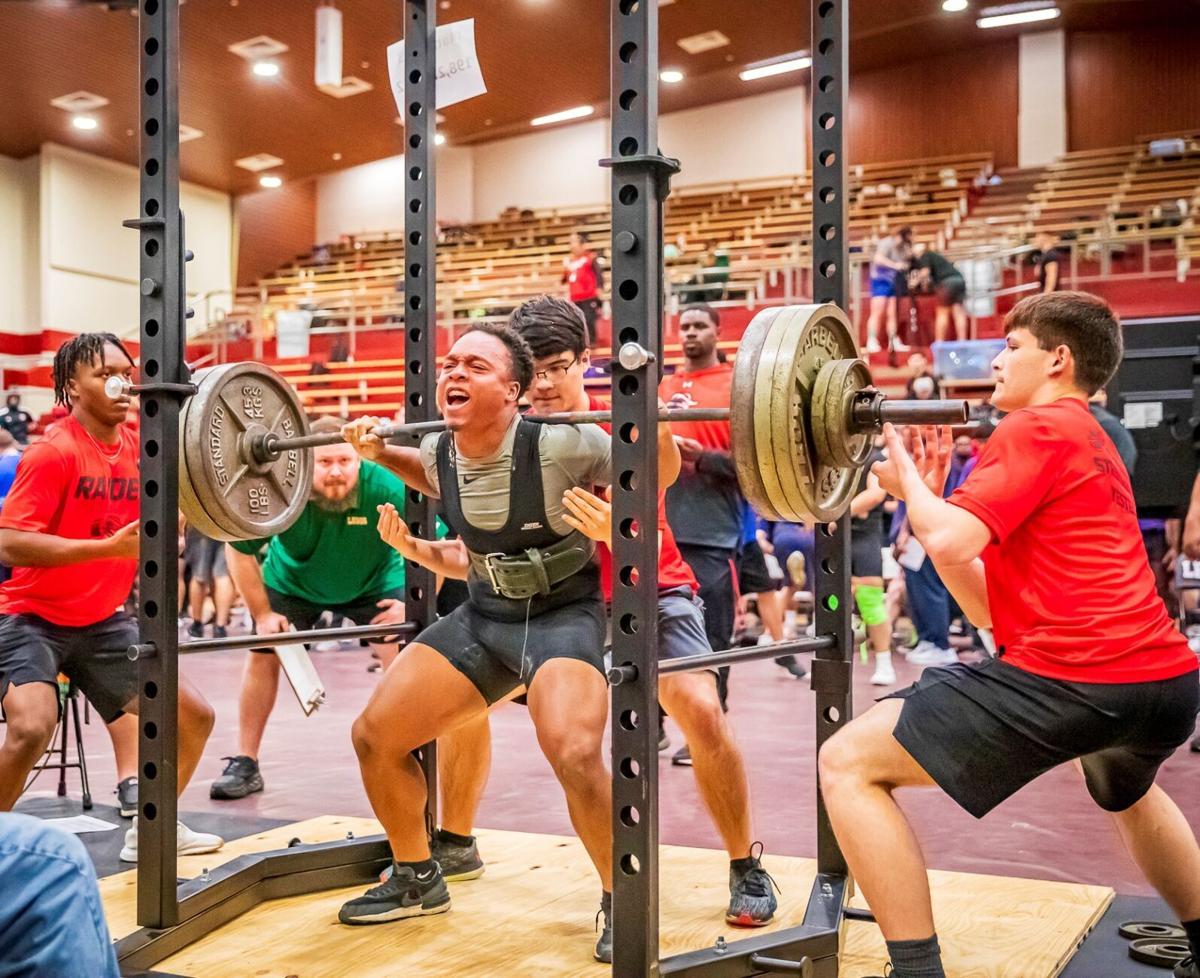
(558, 382)
(335, 471)
(476, 383)
(1023, 370)
(86, 388)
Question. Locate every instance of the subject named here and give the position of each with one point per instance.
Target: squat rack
(173, 915)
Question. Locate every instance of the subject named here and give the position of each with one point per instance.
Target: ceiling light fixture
(270, 182)
(439, 139)
(777, 66)
(954, 6)
(672, 76)
(84, 122)
(266, 69)
(579, 112)
(1018, 13)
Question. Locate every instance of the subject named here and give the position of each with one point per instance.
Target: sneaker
(663, 740)
(241, 777)
(1195, 745)
(885, 673)
(932, 655)
(683, 757)
(752, 900)
(898, 345)
(456, 862)
(187, 842)
(403, 894)
(1189, 967)
(196, 629)
(603, 950)
(792, 665)
(873, 345)
(795, 568)
(127, 797)
(220, 631)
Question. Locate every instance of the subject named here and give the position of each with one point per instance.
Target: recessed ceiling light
(270, 182)
(1017, 13)
(954, 6)
(85, 122)
(266, 69)
(579, 112)
(779, 66)
(351, 85)
(258, 48)
(439, 139)
(187, 133)
(699, 43)
(258, 162)
(336, 157)
(672, 76)
(79, 102)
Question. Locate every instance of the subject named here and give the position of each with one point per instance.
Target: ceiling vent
(188, 133)
(259, 161)
(699, 43)
(350, 86)
(79, 102)
(257, 48)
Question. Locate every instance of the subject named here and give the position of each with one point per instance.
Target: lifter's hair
(82, 349)
(520, 357)
(1080, 321)
(550, 325)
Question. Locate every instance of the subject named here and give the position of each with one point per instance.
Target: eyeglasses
(556, 373)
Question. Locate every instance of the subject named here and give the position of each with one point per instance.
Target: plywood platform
(532, 914)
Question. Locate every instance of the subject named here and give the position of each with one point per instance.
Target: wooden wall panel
(273, 227)
(962, 102)
(1126, 84)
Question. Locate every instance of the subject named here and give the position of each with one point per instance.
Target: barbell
(803, 413)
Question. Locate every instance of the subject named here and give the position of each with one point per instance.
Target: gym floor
(1050, 830)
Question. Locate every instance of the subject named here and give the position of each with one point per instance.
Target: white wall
(19, 289)
(742, 139)
(89, 262)
(371, 197)
(1042, 87)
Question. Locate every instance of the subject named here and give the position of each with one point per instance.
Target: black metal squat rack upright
(174, 915)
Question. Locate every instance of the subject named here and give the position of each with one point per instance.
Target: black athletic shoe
(603, 950)
(220, 631)
(403, 894)
(682, 757)
(752, 900)
(457, 862)
(792, 665)
(241, 777)
(1196, 744)
(1187, 968)
(196, 629)
(127, 797)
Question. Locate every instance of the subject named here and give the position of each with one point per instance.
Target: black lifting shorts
(985, 730)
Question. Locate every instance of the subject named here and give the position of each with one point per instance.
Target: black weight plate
(1133, 930)
(1158, 951)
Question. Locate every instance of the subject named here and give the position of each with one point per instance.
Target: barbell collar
(872, 410)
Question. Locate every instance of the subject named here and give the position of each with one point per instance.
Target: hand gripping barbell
(803, 414)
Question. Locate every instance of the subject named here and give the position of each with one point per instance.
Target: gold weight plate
(741, 413)
(833, 398)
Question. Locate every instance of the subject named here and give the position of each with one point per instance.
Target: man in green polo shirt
(330, 559)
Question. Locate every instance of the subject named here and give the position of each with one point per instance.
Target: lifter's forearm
(669, 459)
(967, 584)
(23, 548)
(406, 463)
(446, 558)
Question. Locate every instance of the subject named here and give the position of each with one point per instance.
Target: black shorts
(951, 291)
(983, 731)
(302, 614)
(866, 554)
(753, 576)
(499, 656)
(205, 558)
(713, 567)
(94, 657)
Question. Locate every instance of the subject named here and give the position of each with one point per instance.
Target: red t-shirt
(707, 388)
(66, 486)
(581, 278)
(673, 570)
(1070, 590)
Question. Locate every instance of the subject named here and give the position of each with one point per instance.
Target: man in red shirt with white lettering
(555, 333)
(70, 531)
(584, 279)
(1041, 544)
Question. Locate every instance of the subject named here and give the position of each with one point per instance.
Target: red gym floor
(1050, 830)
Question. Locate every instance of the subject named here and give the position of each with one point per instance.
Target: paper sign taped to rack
(459, 76)
(1142, 414)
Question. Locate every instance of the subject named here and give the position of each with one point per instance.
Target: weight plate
(242, 498)
(781, 476)
(189, 503)
(741, 413)
(833, 398)
(1135, 929)
(1158, 951)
